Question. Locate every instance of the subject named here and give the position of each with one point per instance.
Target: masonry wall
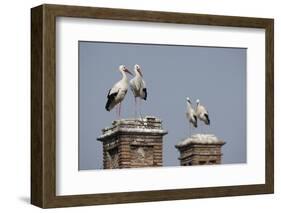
(133, 143)
(200, 153)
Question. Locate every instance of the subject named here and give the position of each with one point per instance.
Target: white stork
(202, 113)
(190, 113)
(117, 93)
(137, 85)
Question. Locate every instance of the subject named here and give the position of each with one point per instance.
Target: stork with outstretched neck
(191, 114)
(138, 87)
(118, 92)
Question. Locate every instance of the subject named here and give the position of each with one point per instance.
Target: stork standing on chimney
(191, 115)
(118, 92)
(138, 87)
(202, 113)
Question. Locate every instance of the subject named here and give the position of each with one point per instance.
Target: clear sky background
(217, 76)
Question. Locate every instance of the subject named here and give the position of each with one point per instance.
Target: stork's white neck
(137, 73)
(189, 105)
(124, 76)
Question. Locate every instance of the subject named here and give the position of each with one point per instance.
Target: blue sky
(215, 75)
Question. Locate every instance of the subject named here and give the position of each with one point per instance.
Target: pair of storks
(118, 92)
(199, 113)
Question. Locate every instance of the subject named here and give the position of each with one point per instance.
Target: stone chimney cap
(146, 125)
(200, 139)
(137, 120)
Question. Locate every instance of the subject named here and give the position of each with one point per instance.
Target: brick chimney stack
(133, 143)
(200, 149)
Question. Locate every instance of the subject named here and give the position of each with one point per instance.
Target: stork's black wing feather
(207, 118)
(110, 98)
(195, 118)
(145, 93)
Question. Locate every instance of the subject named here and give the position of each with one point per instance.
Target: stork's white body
(121, 88)
(118, 92)
(137, 84)
(202, 113)
(191, 115)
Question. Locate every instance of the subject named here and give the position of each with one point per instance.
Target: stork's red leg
(120, 109)
(135, 107)
(140, 101)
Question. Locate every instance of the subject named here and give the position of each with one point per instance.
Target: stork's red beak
(126, 70)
